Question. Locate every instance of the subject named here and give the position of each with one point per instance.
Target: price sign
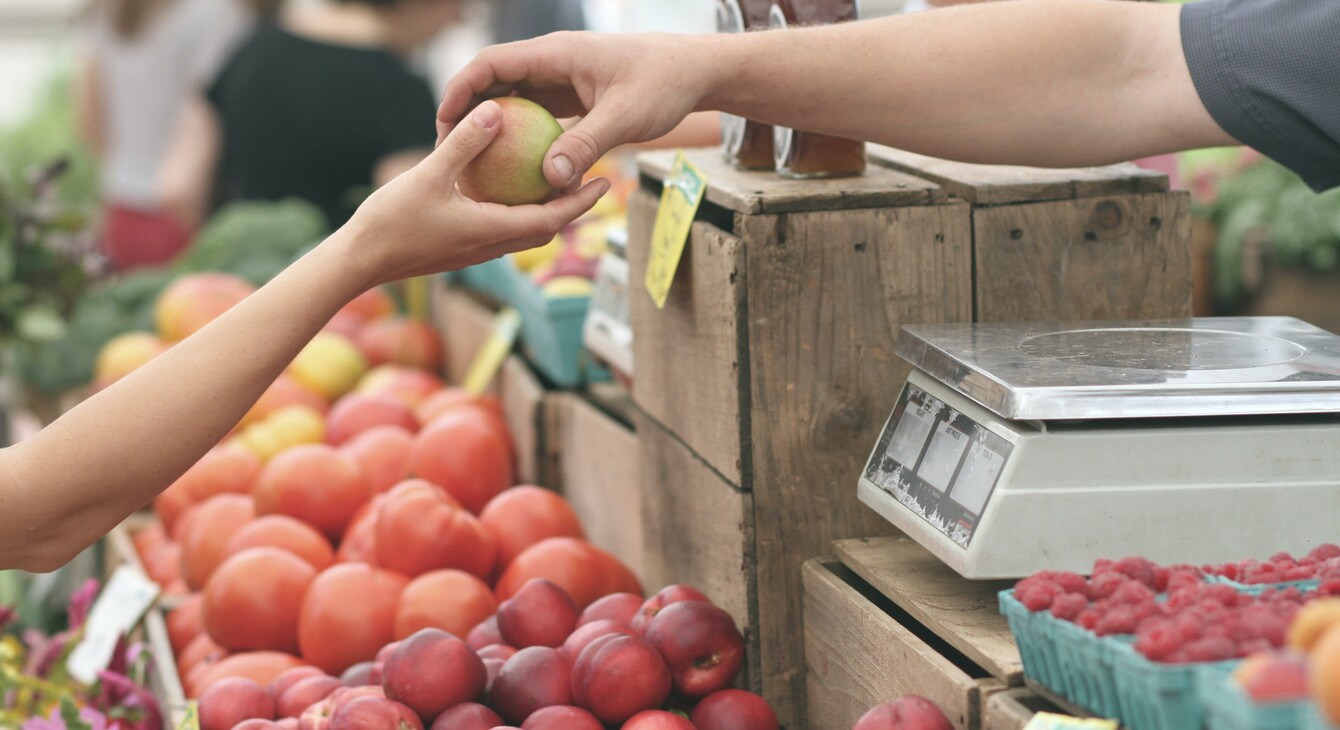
(1053, 721)
(123, 602)
(490, 357)
(680, 198)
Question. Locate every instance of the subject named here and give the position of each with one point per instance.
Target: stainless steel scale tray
(1212, 366)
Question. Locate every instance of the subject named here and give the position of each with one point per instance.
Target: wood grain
(698, 528)
(600, 477)
(523, 401)
(964, 613)
(689, 371)
(1002, 184)
(827, 292)
(858, 656)
(766, 192)
(1012, 709)
(463, 323)
(1106, 258)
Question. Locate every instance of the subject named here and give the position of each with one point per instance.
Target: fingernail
(487, 114)
(563, 166)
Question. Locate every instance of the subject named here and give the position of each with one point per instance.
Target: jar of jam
(745, 143)
(799, 154)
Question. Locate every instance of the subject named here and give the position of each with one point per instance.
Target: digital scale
(1021, 447)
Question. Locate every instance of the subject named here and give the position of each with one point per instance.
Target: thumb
(573, 153)
(467, 139)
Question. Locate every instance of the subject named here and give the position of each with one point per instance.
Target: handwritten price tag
(122, 603)
(490, 357)
(680, 198)
(1053, 721)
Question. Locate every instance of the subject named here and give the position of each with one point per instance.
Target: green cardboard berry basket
(1227, 708)
(1312, 719)
(1155, 696)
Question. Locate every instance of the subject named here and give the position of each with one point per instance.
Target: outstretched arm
(1035, 82)
(68, 485)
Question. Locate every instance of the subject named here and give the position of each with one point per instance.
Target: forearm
(67, 486)
(1040, 82)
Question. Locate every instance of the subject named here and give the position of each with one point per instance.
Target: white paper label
(122, 604)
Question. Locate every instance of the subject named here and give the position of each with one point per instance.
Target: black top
(1269, 73)
(310, 119)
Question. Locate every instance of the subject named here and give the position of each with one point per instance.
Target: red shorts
(133, 237)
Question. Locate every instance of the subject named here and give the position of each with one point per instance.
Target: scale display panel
(938, 463)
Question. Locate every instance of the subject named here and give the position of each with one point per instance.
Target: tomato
(228, 468)
(382, 454)
(446, 399)
(348, 615)
(200, 649)
(206, 533)
(462, 453)
(420, 529)
(253, 598)
(451, 600)
(314, 483)
(184, 622)
(286, 533)
(171, 504)
(260, 667)
(524, 515)
(586, 572)
(162, 563)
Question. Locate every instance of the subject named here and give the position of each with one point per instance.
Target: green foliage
(254, 240)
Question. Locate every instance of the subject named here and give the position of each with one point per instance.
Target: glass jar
(745, 143)
(799, 154)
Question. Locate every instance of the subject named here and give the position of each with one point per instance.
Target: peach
(330, 364)
(314, 483)
(700, 644)
(226, 468)
(421, 530)
(290, 677)
(382, 454)
(561, 717)
(467, 716)
(664, 597)
(401, 341)
(433, 670)
(524, 515)
(194, 300)
(232, 700)
(374, 713)
(252, 600)
(617, 676)
(484, 633)
(533, 678)
(124, 353)
(733, 709)
(585, 634)
(451, 600)
(510, 170)
(1273, 676)
(305, 693)
(359, 675)
(657, 720)
(497, 651)
(617, 607)
(374, 303)
(908, 711)
(540, 614)
(357, 412)
(185, 622)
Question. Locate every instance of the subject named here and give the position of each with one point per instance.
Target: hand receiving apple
(419, 223)
(610, 81)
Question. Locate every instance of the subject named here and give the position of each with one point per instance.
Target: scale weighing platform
(1018, 447)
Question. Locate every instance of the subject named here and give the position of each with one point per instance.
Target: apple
(561, 717)
(733, 709)
(256, 723)
(484, 633)
(497, 651)
(290, 677)
(305, 693)
(584, 635)
(909, 712)
(700, 644)
(317, 717)
(433, 670)
(620, 607)
(359, 675)
(539, 614)
(374, 713)
(618, 676)
(229, 701)
(467, 716)
(657, 720)
(534, 677)
(668, 595)
(510, 170)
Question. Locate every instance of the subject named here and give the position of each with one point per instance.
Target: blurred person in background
(143, 59)
(517, 20)
(320, 105)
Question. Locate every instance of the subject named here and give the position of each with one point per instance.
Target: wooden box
(771, 368)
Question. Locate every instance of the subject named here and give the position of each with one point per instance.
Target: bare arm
(88, 106)
(1038, 82)
(186, 174)
(76, 479)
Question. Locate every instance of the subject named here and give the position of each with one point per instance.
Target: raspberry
(1330, 587)
(1139, 569)
(1119, 619)
(1159, 640)
(1178, 579)
(1105, 584)
(1301, 572)
(1252, 646)
(1325, 552)
(1037, 596)
(1225, 595)
(1262, 622)
(1230, 571)
(1088, 618)
(1067, 607)
(1282, 558)
(1072, 583)
(1147, 609)
(1210, 650)
(1132, 593)
(1101, 565)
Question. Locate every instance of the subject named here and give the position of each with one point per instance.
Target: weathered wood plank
(767, 192)
(1003, 184)
(1105, 258)
(689, 374)
(1012, 709)
(827, 292)
(858, 656)
(698, 528)
(599, 463)
(523, 400)
(963, 612)
(463, 323)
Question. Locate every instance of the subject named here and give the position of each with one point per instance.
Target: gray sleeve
(1268, 71)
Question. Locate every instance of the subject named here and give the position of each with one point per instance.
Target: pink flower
(81, 602)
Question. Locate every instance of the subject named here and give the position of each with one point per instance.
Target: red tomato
(253, 598)
(586, 572)
(463, 453)
(524, 515)
(348, 615)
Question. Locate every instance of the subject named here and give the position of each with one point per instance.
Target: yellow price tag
(1053, 721)
(491, 354)
(680, 198)
(190, 720)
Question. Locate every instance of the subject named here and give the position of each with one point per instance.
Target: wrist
(718, 56)
(346, 261)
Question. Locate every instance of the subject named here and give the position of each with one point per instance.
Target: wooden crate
(598, 474)
(772, 369)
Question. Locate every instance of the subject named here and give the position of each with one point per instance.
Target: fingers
(573, 153)
(527, 221)
(466, 140)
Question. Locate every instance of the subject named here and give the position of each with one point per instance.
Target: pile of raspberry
(1323, 564)
(1195, 621)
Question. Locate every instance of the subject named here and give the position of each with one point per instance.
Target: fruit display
(909, 712)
